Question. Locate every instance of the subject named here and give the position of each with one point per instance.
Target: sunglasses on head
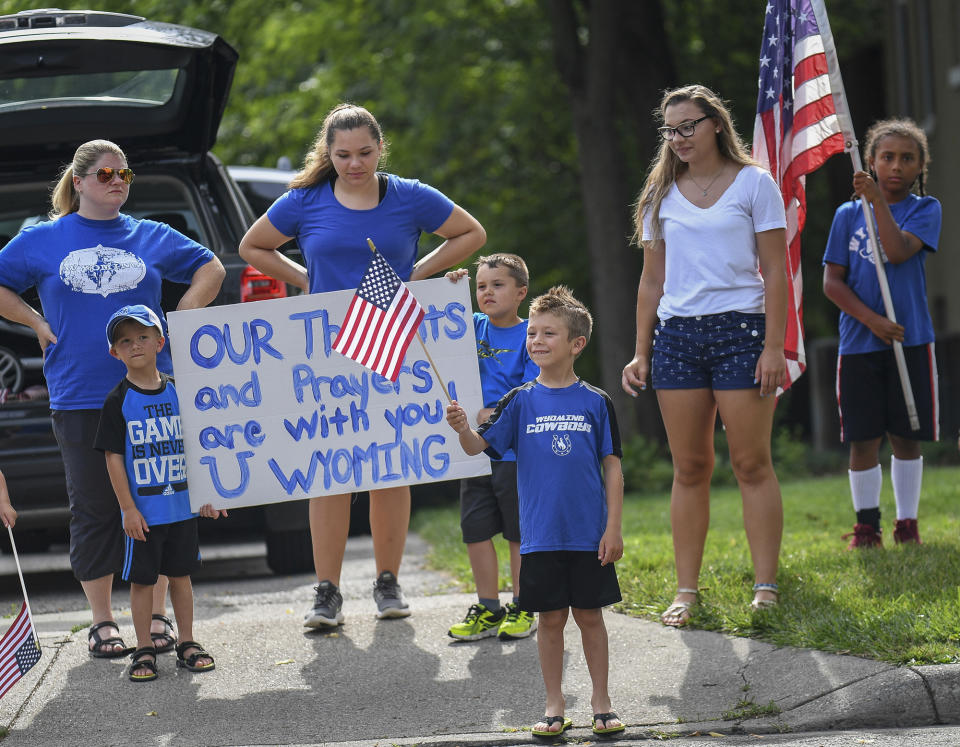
(106, 174)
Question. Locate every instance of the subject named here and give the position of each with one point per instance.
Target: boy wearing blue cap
(140, 436)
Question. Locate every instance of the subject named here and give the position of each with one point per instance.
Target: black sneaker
(327, 604)
(389, 598)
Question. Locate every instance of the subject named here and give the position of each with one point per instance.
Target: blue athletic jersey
(848, 246)
(560, 437)
(85, 270)
(333, 238)
(504, 361)
(144, 426)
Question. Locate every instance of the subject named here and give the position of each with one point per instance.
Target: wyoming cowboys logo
(561, 445)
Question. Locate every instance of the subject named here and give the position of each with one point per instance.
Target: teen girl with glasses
(711, 314)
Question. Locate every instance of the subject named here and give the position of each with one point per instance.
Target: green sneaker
(517, 623)
(479, 623)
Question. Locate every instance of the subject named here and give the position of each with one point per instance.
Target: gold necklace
(706, 189)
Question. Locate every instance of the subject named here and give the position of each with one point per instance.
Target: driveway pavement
(404, 682)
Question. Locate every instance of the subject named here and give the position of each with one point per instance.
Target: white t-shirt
(711, 253)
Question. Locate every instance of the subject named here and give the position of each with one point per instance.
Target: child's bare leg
(486, 571)
(181, 597)
(593, 634)
(550, 647)
(141, 603)
(515, 566)
(159, 603)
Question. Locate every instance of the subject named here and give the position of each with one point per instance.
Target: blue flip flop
(564, 722)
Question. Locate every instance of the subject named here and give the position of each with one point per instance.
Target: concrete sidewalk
(404, 682)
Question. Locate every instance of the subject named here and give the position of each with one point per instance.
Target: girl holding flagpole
(868, 384)
(334, 205)
(711, 314)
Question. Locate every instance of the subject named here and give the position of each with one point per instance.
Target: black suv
(157, 90)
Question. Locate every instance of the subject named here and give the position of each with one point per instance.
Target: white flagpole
(23, 586)
(851, 146)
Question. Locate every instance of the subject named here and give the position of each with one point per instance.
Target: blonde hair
(513, 262)
(666, 167)
(901, 127)
(317, 165)
(559, 300)
(64, 198)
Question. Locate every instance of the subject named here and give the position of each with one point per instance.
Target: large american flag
(797, 129)
(18, 650)
(382, 319)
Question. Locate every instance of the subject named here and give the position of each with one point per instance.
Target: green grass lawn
(899, 604)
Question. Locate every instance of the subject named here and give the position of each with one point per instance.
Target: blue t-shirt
(504, 361)
(144, 426)
(848, 246)
(561, 437)
(333, 238)
(85, 270)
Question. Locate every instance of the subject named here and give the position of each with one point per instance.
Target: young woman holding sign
(334, 204)
(78, 298)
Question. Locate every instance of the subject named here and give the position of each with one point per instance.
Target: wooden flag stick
(426, 352)
(23, 586)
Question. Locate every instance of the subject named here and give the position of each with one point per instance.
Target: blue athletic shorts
(713, 351)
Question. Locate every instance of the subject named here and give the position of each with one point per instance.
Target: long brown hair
(666, 167)
(64, 198)
(317, 165)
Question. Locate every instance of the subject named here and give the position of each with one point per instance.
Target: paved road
(404, 682)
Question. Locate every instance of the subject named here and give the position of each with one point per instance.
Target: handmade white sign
(271, 413)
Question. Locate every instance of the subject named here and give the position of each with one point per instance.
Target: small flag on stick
(18, 650)
(796, 130)
(381, 321)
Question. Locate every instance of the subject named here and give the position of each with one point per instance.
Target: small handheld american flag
(18, 650)
(381, 321)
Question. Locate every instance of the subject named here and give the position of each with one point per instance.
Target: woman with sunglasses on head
(86, 262)
(711, 315)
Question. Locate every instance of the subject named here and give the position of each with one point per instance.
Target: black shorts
(489, 505)
(870, 395)
(96, 530)
(559, 579)
(170, 549)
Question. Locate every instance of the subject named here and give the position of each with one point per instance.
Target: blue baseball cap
(138, 313)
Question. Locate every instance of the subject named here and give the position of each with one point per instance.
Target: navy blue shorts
(489, 504)
(170, 549)
(558, 579)
(870, 395)
(713, 351)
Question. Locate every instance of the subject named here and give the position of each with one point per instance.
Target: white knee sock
(865, 488)
(907, 476)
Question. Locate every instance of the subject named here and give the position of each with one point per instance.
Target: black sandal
(166, 640)
(104, 648)
(190, 662)
(143, 658)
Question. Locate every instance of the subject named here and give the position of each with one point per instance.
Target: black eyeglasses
(686, 129)
(106, 174)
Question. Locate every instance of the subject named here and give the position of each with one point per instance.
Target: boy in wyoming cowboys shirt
(569, 478)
